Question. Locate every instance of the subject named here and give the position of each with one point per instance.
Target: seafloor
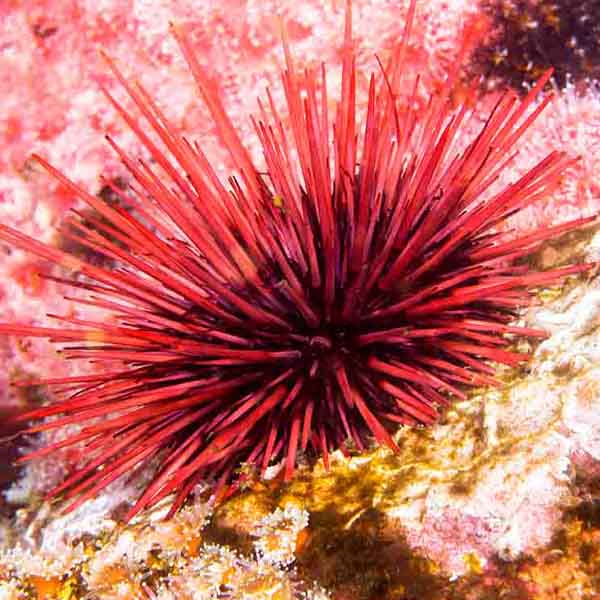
(501, 499)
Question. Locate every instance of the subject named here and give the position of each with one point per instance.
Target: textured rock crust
(502, 495)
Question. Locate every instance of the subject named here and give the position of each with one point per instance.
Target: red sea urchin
(358, 285)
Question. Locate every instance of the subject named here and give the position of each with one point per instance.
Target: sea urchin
(359, 284)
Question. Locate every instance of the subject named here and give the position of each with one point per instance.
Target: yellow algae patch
(474, 563)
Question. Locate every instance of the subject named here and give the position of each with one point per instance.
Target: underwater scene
(299, 300)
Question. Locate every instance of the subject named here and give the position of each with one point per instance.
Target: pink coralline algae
(571, 124)
(355, 281)
(51, 102)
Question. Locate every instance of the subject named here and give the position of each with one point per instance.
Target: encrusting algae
(494, 499)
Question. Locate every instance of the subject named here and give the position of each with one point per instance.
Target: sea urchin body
(361, 283)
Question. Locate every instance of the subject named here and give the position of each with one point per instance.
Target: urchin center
(324, 348)
(321, 343)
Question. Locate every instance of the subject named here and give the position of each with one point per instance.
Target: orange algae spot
(46, 588)
(192, 546)
(228, 576)
(266, 586)
(115, 574)
(259, 486)
(27, 275)
(302, 539)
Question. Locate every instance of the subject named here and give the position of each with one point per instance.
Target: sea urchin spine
(359, 285)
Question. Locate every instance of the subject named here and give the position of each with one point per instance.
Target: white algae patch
(499, 488)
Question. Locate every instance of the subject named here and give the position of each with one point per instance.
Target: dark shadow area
(527, 37)
(356, 560)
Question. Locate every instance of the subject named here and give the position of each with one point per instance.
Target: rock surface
(503, 495)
